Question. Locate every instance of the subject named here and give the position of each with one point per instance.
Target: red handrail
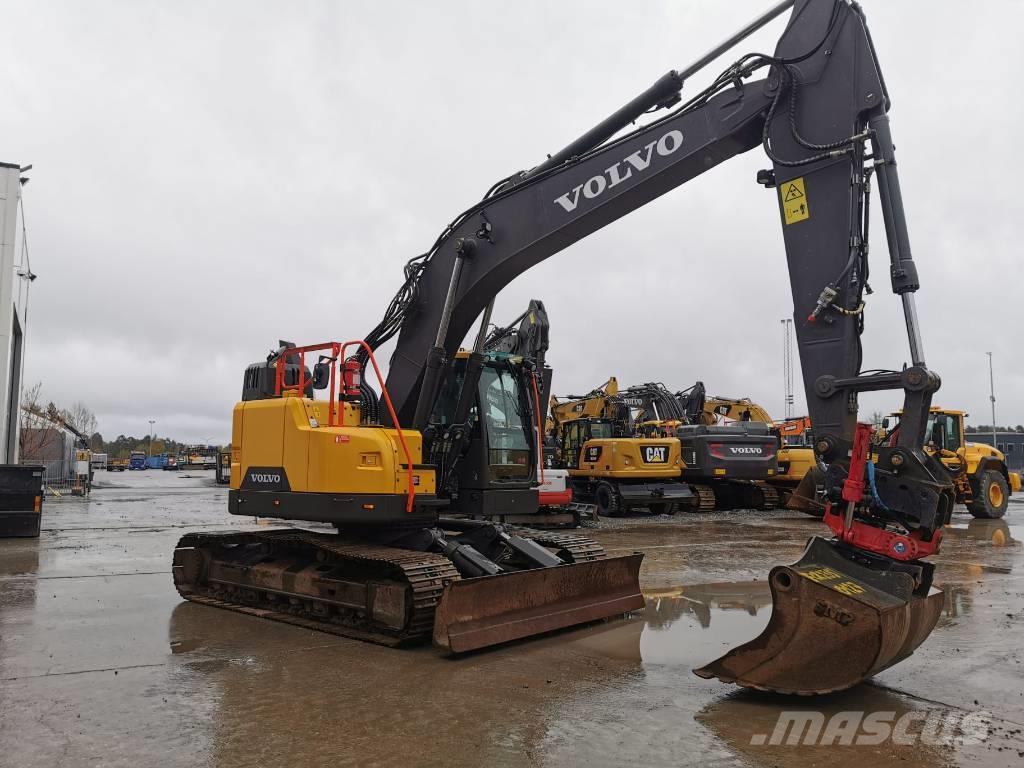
(337, 354)
(394, 416)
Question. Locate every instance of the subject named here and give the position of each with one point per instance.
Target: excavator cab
(575, 434)
(488, 461)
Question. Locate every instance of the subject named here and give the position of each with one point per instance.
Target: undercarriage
(392, 592)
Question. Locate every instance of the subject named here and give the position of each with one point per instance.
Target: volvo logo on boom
(638, 161)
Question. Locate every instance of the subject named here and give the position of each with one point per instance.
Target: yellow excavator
(446, 433)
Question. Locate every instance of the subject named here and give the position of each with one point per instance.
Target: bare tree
(81, 417)
(34, 422)
(39, 422)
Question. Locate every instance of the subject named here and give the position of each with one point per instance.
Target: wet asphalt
(102, 664)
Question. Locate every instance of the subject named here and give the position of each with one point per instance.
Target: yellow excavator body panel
(629, 457)
(736, 409)
(293, 433)
(795, 461)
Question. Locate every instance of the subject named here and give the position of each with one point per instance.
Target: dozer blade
(476, 613)
(833, 624)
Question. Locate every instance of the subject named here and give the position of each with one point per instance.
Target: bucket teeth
(833, 624)
(476, 613)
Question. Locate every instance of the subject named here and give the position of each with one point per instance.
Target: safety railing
(351, 381)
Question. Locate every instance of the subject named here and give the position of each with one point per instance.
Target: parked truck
(156, 462)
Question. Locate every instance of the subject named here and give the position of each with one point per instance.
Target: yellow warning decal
(831, 578)
(794, 201)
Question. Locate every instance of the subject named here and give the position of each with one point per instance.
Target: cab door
(572, 443)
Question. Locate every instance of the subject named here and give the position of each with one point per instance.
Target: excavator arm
(818, 106)
(527, 337)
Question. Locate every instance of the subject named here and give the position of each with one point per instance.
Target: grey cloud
(210, 178)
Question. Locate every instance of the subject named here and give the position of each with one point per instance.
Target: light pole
(992, 397)
(150, 449)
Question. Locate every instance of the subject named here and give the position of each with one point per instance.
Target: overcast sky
(211, 177)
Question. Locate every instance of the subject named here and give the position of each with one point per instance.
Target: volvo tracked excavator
(385, 475)
(795, 452)
(728, 466)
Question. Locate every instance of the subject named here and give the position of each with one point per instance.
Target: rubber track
(770, 496)
(580, 549)
(704, 497)
(425, 572)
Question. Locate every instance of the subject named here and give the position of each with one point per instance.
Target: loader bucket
(476, 613)
(830, 628)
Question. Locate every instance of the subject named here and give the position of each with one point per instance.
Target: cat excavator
(385, 465)
(611, 465)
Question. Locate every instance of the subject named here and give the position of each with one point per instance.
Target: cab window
(505, 421)
(944, 431)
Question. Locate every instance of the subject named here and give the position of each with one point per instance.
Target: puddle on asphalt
(19, 557)
(186, 645)
(694, 624)
(651, 654)
(998, 533)
(683, 627)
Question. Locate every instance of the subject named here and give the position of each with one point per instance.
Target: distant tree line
(37, 416)
(123, 445)
(988, 428)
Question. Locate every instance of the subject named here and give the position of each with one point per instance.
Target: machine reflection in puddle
(689, 625)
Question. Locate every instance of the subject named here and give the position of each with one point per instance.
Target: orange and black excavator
(456, 433)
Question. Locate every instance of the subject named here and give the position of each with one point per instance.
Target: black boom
(821, 116)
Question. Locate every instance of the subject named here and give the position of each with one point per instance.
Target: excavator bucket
(476, 613)
(834, 623)
(805, 497)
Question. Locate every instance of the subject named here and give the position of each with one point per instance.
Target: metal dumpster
(21, 500)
